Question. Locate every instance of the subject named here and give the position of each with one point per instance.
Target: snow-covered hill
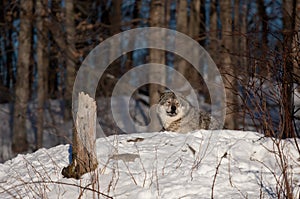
(201, 164)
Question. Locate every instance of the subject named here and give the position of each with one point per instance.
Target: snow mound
(200, 164)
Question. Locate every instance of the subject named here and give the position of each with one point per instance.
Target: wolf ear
(163, 92)
(160, 92)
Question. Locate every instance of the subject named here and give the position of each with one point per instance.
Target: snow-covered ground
(200, 164)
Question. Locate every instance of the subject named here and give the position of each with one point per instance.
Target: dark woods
(255, 44)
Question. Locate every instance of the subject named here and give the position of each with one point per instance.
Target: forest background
(255, 45)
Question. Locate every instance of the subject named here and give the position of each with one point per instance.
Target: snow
(200, 164)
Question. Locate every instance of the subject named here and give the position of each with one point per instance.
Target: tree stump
(84, 139)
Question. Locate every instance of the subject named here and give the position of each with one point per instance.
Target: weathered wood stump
(84, 158)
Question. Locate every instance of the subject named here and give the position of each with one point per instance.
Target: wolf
(178, 115)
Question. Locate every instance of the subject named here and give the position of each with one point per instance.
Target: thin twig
(216, 173)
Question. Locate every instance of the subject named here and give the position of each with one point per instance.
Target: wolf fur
(178, 115)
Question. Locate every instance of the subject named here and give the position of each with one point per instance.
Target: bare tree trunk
(8, 27)
(264, 66)
(71, 58)
(115, 16)
(84, 145)
(19, 139)
(195, 19)
(182, 26)
(261, 68)
(243, 39)
(55, 27)
(213, 26)
(228, 71)
(157, 19)
(238, 60)
(296, 46)
(213, 39)
(42, 67)
(289, 17)
(194, 24)
(241, 13)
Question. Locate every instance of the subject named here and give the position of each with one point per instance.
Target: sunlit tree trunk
(228, 71)
(182, 26)
(157, 19)
(194, 28)
(238, 35)
(19, 139)
(42, 67)
(194, 19)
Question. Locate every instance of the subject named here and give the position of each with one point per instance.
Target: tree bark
(8, 28)
(181, 64)
(243, 38)
(264, 66)
(236, 38)
(289, 17)
(19, 139)
(194, 28)
(228, 71)
(42, 67)
(84, 157)
(240, 50)
(157, 19)
(115, 16)
(212, 41)
(195, 19)
(71, 57)
(296, 47)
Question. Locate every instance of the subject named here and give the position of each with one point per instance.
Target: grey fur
(178, 115)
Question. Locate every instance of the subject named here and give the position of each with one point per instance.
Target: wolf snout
(173, 109)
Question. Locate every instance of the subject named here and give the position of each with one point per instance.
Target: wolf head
(169, 103)
(171, 107)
